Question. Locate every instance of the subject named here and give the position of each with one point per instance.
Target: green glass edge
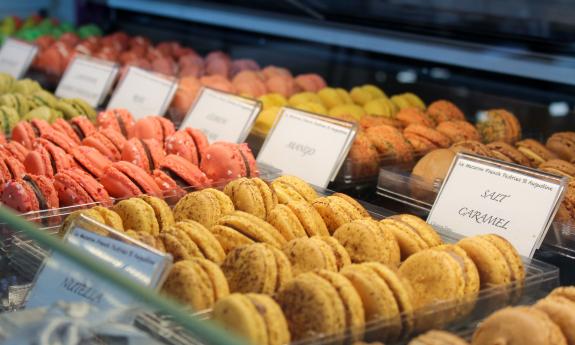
(204, 331)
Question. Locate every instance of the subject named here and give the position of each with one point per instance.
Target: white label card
(16, 57)
(222, 116)
(144, 93)
(61, 279)
(310, 146)
(87, 78)
(483, 196)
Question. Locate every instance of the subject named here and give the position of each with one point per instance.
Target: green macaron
(16, 101)
(26, 86)
(44, 113)
(72, 107)
(8, 119)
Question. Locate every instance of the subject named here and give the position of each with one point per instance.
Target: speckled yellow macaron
(138, 215)
(205, 207)
(308, 254)
(309, 218)
(366, 240)
(206, 242)
(251, 195)
(287, 222)
(258, 268)
(490, 262)
(163, 213)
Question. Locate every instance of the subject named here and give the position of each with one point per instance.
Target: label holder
(27, 61)
(165, 102)
(255, 104)
(112, 75)
(353, 127)
(561, 183)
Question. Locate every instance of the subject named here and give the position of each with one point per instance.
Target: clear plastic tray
(24, 258)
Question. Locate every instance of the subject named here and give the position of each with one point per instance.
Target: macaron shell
(309, 218)
(91, 160)
(182, 144)
(308, 254)
(246, 197)
(20, 197)
(251, 268)
(287, 223)
(186, 171)
(300, 186)
(564, 291)
(110, 217)
(204, 239)
(201, 206)
(138, 215)
(177, 285)
(276, 324)
(162, 211)
(332, 213)
(154, 127)
(426, 231)
(229, 238)
(80, 182)
(409, 240)
(217, 278)
(354, 203)
(491, 264)
(342, 257)
(238, 315)
(144, 181)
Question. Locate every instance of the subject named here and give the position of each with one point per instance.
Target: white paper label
(222, 116)
(144, 93)
(87, 78)
(482, 196)
(62, 279)
(307, 145)
(16, 57)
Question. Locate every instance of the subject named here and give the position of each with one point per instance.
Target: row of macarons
(251, 227)
(36, 26)
(77, 162)
(550, 321)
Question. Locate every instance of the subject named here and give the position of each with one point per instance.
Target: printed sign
(307, 145)
(144, 93)
(222, 116)
(16, 57)
(482, 196)
(87, 78)
(61, 279)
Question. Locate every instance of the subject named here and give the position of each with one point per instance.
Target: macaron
(108, 141)
(176, 174)
(257, 318)
(308, 254)
(567, 292)
(381, 107)
(536, 152)
(290, 188)
(59, 139)
(145, 153)
(153, 127)
(423, 229)
(26, 132)
(91, 160)
(208, 245)
(438, 337)
(286, 222)
(252, 195)
(378, 299)
(364, 156)
(205, 207)
(414, 116)
(189, 143)
(206, 278)
(562, 312)
(100, 214)
(351, 112)
(421, 133)
(367, 240)
(10, 168)
(14, 149)
(558, 167)
(120, 120)
(563, 145)
(310, 82)
(506, 151)
(435, 276)
(306, 216)
(9, 118)
(222, 161)
(443, 110)
(77, 187)
(72, 107)
(458, 131)
(335, 211)
(257, 268)
(518, 325)
(499, 125)
(390, 143)
(124, 179)
(30, 193)
(365, 93)
(238, 228)
(491, 263)
(47, 159)
(77, 128)
(312, 307)
(332, 97)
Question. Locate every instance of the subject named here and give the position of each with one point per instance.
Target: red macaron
(108, 141)
(91, 160)
(47, 159)
(145, 153)
(15, 149)
(223, 162)
(77, 128)
(120, 120)
(26, 132)
(189, 143)
(176, 175)
(124, 180)
(30, 193)
(77, 187)
(57, 138)
(154, 127)
(10, 168)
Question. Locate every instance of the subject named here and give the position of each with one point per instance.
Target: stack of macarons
(322, 258)
(549, 321)
(116, 158)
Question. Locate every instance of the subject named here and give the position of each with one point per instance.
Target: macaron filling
(122, 125)
(78, 130)
(177, 178)
(37, 192)
(35, 129)
(148, 155)
(246, 163)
